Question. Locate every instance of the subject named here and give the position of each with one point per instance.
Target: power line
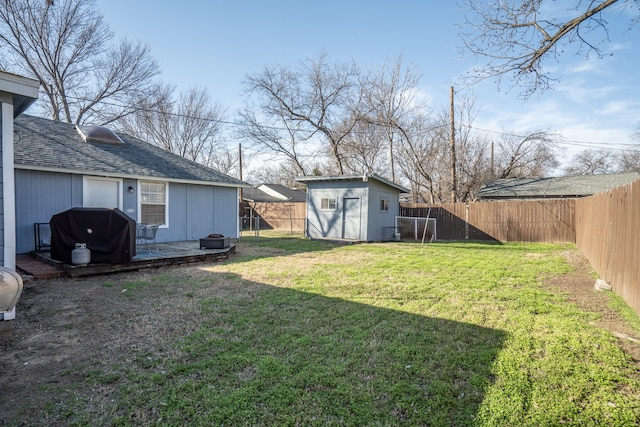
(422, 132)
(585, 144)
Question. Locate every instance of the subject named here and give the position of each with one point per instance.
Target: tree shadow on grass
(266, 355)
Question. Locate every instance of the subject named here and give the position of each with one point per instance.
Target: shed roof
(364, 178)
(48, 145)
(555, 187)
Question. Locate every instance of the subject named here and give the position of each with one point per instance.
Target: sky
(215, 44)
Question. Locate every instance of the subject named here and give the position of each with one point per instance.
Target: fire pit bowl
(214, 241)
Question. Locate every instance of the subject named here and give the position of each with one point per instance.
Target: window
(101, 192)
(153, 203)
(328, 204)
(384, 205)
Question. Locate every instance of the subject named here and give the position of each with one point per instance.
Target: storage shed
(351, 207)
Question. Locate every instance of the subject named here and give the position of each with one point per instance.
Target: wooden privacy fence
(288, 216)
(605, 227)
(503, 221)
(608, 233)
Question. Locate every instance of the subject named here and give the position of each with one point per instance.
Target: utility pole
(240, 167)
(393, 172)
(453, 149)
(493, 174)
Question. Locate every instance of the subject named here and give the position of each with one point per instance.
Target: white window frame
(329, 208)
(85, 189)
(166, 200)
(384, 205)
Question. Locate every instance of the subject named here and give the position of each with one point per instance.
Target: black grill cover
(110, 235)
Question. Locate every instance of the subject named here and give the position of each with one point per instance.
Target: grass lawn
(298, 332)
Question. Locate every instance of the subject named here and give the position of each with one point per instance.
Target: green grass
(316, 333)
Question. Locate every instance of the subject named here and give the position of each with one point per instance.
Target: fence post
(466, 222)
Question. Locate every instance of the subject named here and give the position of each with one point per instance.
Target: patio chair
(146, 233)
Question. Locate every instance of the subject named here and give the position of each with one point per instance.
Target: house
(17, 93)
(59, 166)
(351, 207)
(275, 206)
(555, 187)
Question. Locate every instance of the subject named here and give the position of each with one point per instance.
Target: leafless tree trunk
(65, 46)
(516, 37)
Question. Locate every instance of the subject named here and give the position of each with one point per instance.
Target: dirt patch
(579, 288)
(67, 327)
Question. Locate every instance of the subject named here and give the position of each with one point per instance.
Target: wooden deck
(167, 254)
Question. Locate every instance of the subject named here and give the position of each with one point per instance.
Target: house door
(351, 218)
(101, 193)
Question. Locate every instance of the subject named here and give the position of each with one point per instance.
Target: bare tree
(474, 166)
(275, 135)
(426, 151)
(284, 173)
(629, 161)
(365, 150)
(423, 151)
(66, 47)
(307, 110)
(190, 126)
(516, 37)
(528, 156)
(591, 162)
(390, 96)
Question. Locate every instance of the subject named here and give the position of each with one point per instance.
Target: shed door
(351, 218)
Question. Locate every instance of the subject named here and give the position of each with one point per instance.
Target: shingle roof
(43, 144)
(274, 193)
(556, 187)
(255, 195)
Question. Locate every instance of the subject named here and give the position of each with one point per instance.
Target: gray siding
(39, 196)
(379, 219)
(1, 194)
(194, 210)
(323, 224)
(130, 198)
(328, 224)
(225, 202)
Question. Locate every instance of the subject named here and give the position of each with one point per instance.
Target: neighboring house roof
(254, 195)
(47, 145)
(273, 193)
(556, 187)
(364, 178)
(285, 193)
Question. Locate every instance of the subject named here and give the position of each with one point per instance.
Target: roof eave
(364, 178)
(130, 176)
(23, 90)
